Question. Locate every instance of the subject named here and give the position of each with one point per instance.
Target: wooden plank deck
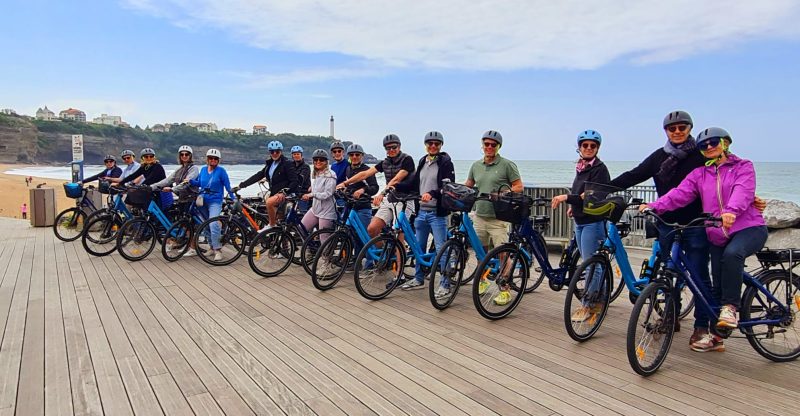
(84, 335)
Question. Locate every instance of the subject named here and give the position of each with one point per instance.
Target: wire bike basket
(605, 201)
(512, 207)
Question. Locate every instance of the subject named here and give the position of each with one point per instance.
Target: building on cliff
(108, 120)
(45, 114)
(260, 129)
(204, 127)
(72, 114)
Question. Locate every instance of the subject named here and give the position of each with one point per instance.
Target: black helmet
(677, 117)
(319, 153)
(390, 139)
(434, 136)
(337, 145)
(713, 133)
(355, 148)
(109, 157)
(493, 135)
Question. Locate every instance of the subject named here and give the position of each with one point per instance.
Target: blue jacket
(340, 169)
(215, 182)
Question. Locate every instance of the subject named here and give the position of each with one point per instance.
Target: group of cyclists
(692, 175)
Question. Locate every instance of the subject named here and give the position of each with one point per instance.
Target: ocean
(771, 177)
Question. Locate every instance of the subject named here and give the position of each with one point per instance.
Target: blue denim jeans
(589, 238)
(426, 223)
(695, 245)
(727, 263)
(213, 209)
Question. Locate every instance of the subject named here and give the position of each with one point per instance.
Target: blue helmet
(590, 135)
(275, 145)
(713, 133)
(297, 149)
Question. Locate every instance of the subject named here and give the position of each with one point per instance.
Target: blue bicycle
(138, 236)
(768, 313)
(186, 219)
(100, 233)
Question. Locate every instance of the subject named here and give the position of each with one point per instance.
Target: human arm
(360, 176)
(637, 175)
(261, 174)
(166, 182)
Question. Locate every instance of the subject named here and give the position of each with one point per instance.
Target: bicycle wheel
(535, 280)
(781, 342)
(687, 302)
(616, 279)
(177, 239)
(232, 241)
(100, 234)
(310, 247)
(270, 253)
(650, 328)
(585, 306)
(331, 260)
(379, 266)
(136, 239)
(447, 273)
(69, 224)
(299, 239)
(501, 277)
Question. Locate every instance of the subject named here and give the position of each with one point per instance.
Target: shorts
(387, 209)
(491, 231)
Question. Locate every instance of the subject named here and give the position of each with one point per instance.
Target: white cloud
(485, 34)
(267, 80)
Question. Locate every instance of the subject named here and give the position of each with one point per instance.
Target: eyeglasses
(490, 144)
(272, 152)
(433, 143)
(680, 128)
(393, 147)
(148, 156)
(213, 158)
(337, 151)
(355, 154)
(710, 143)
(126, 157)
(585, 145)
(184, 154)
(109, 161)
(319, 159)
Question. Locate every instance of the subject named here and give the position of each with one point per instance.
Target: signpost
(77, 157)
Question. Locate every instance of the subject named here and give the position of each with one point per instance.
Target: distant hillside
(26, 140)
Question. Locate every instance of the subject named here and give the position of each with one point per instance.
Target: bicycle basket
(139, 197)
(512, 207)
(458, 197)
(105, 187)
(73, 190)
(604, 201)
(187, 194)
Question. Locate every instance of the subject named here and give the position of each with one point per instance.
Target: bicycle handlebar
(707, 220)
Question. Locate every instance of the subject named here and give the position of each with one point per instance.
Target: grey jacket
(323, 186)
(173, 178)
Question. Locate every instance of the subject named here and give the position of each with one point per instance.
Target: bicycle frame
(525, 232)
(613, 243)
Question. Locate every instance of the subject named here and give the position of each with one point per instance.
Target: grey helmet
(127, 153)
(391, 139)
(109, 157)
(494, 135)
(434, 136)
(678, 117)
(319, 153)
(337, 145)
(713, 133)
(147, 151)
(355, 148)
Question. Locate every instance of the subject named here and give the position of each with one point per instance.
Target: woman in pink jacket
(726, 187)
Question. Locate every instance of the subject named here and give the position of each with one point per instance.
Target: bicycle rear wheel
(232, 241)
(447, 272)
(616, 279)
(69, 224)
(650, 328)
(100, 234)
(586, 306)
(270, 253)
(136, 239)
(310, 247)
(379, 266)
(177, 239)
(781, 342)
(331, 260)
(500, 279)
(299, 239)
(536, 279)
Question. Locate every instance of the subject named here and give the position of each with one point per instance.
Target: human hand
(760, 204)
(357, 194)
(426, 197)
(341, 186)
(569, 212)
(643, 207)
(306, 197)
(166, 189)
(728, 219)
(557, 200)
(377, 200)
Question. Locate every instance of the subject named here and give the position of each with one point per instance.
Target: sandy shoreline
(15, 193)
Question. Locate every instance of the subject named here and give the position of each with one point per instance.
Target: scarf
(583, 164)
(676, 155)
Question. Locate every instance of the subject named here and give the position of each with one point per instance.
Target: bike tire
(177, 239)
(297, 235)
(136, 239)
(270, 253)
(491, 271)
(100, 234)
(379, 266)
(331, 261)
(582, 326)
(68, 225)
(535, 280)
(779, 343)
(447, 272)
(233, 241)
(647, 325)
(310, 247)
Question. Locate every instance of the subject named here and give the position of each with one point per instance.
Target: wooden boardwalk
(84, 335)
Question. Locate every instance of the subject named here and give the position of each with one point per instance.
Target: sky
(539, 72)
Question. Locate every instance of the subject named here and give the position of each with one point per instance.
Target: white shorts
(387, 209)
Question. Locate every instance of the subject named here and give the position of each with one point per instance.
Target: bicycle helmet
(185, 148)
(713, 133)
(109, 157)
(493, 135)
(297, 149)
(677, 117)
(337, 145)
(319, 153)
(147, 151)
(127, 153)
(590, 135)
(434, 136)
(214, 153)
(391, 139)
(275, 145)
(355, 148)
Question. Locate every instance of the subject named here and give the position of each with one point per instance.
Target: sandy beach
(15, 192)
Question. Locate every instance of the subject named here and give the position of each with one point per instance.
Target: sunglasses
(489, 144)
(319, 159)
(337, 151)
(126, 157)
(185, 154)
(589, 145)
(213, 158)
(148, 156)
(433, 143)
(388, 148)
(710, 143)
(681, 128)
(272, 152)
(355, 154)
(109, 161)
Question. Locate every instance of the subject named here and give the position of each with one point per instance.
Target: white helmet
(214, 153)
(185, 148)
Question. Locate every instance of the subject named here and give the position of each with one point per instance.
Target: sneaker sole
(413, 287)
(720, 348)
(725, 324)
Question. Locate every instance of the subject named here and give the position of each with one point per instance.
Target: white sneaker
(189, 253)
(217, 255)
(265, 228)
(442, 292)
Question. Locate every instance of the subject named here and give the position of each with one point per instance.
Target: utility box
(96, 197)
(42, 207)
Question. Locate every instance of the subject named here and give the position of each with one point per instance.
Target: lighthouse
(332, 127)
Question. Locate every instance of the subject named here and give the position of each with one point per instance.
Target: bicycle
(187, 217)
(137, 236)
(770, 302)
(272, 251)
(69, 223)
(100, 233)
(239, 222)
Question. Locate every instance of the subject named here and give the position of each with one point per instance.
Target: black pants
(727, 263)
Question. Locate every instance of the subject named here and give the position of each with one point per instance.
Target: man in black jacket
(111, 170)
(280, 175)
(303, 172)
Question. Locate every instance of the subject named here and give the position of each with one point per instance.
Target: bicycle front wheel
(537, 278)
(588, 297)
(500, 280)
(310, 247)
(379, 266)
(650, 328)
(331, 260)
(447, 272)
(100, 234)
(231, 243)
(177, 239)
(270, 253)
(136, 239)
(69, 224)
(776, 342)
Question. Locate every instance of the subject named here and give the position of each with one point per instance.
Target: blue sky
(537, 71)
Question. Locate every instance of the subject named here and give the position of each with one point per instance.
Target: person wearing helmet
(590, 231)
(433, 170)
(303, 172)
(214, 182)
(131, 165)
(150, 171)
(397, 169)
(111, 170)
(176, 181)
(340, 163)
(491, 174)
(281, 177)
(323, 185)
(725, 187)
(368, 186)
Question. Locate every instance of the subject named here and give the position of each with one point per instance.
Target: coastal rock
(781, 214)
(784, 238)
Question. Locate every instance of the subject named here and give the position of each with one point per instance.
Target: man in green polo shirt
(492, 174)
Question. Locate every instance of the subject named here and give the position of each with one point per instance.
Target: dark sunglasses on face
(272, 152)
(680, 128)
(337, 151)
(710, 143)
(148, 157)
(589, 145)
(213, 158)
(109, 161)
(355, 155)
(489, 144)
(185, 154)
(394, 147)
(433, 143)
(126, 157)
(319, 159)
